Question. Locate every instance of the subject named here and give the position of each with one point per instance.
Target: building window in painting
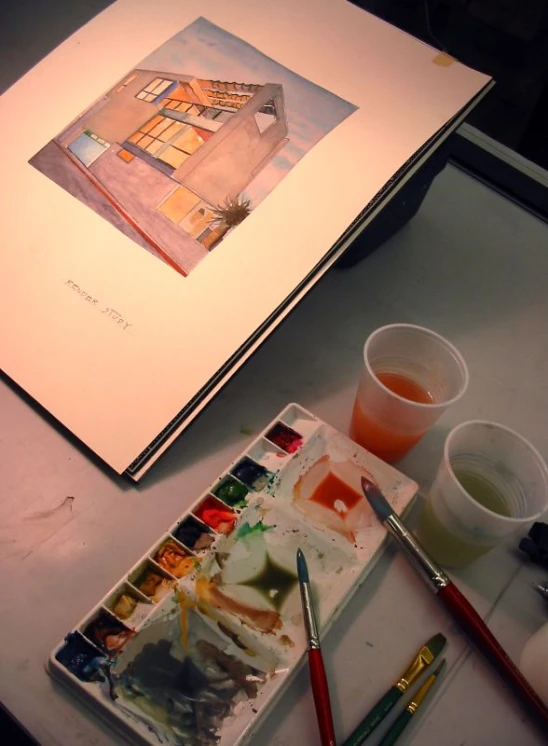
(266, 116)
(153, 90)
(87, 147)
(185, 106)
(201, 223)
(167, 140)
(208, 112)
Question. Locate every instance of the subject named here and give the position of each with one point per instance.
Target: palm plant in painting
(232, 212)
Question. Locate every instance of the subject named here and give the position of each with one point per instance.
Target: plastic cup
(490, 483)
(423, 374)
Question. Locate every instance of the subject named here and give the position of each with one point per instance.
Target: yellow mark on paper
(443, 59)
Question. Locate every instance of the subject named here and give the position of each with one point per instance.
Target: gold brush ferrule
(415, 703)
(421, 662)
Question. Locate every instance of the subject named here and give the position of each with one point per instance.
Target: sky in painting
(207, 51)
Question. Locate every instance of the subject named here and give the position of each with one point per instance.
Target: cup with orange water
(411, 376)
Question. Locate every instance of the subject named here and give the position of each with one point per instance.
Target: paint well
(154, 585)
(108, 633)
(173, 558)
(194, 534)
(251, 474)
(216, 514)
(232, 492)
(81, 658)
(285, 437)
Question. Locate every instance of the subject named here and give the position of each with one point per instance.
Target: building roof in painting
(218, 92)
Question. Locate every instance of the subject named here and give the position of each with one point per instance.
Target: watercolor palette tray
(197, 641)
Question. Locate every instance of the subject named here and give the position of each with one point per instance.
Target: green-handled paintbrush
(424, 658)
(402, 720)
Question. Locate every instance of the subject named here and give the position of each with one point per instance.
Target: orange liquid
(405, 387)
(388, 445)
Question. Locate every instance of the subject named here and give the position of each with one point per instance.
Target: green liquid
(444, 546)
(483, 492)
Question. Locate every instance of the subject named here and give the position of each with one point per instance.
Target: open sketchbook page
(172, 173)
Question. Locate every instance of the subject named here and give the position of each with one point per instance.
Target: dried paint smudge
(182, 683)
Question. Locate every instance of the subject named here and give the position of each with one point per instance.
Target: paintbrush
(411, 708)
(542, 588)
(318, 677)
(455, 603)
(424, 658)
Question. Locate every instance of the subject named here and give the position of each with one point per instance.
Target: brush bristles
(302, 567)
(376, 499)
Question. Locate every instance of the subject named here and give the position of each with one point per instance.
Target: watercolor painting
(191, 647)
(185, 146)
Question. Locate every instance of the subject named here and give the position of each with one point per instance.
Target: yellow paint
(185, 603)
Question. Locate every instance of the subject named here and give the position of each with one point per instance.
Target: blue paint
(252, 474)
(302, 567)
(376, 499)
(82, 659)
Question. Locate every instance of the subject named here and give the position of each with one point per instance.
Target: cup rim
(528, 445)
(419, 405)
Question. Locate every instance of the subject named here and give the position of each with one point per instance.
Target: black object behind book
(401, 208)
(535, 544)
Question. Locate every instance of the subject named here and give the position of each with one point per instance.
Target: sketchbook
(177, 178)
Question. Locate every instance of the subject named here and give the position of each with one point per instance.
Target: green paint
(273, 582)
(247, 530)
(232, 492)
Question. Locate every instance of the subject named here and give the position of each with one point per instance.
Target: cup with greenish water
(490, 483)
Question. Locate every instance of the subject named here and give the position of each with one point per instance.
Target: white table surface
(471, 265)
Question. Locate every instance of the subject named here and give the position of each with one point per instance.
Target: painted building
(169, 150)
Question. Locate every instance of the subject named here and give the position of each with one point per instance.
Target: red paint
(285, 438)
(331, 489)
(215, 514)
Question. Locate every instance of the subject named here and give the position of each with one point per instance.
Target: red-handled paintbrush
(455, 603)
(318, 677)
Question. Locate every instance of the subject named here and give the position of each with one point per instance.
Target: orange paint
(384, 442)
(332, 490)
(405, 387)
